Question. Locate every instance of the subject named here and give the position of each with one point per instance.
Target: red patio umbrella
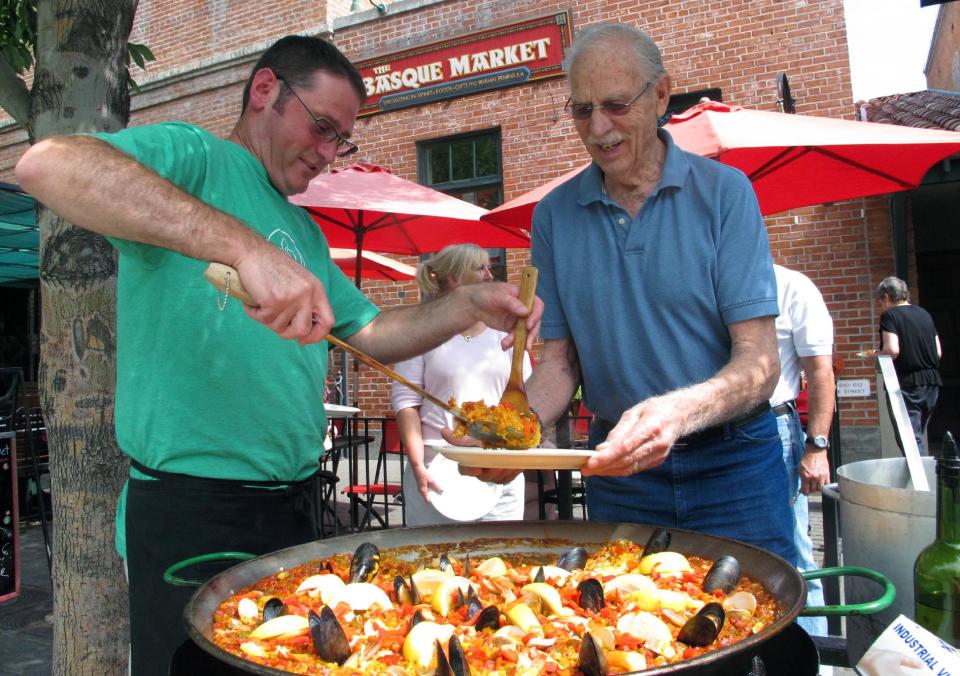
(792, 160)
(800, 160)
(374, 265)
(365, 206)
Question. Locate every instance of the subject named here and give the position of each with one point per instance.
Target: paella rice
(518, 430)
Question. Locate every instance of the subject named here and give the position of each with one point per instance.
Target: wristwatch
(820, 442)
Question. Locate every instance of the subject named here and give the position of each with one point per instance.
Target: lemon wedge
(627, 661)
(420, 645)
(285, 625)
(523, 616)
(443, 595)
(548, 596)
(323, 586)
(665, 563)
(492, 567)
(428, 579)
(361, 596)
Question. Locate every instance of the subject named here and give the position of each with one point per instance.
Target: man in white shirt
(805, 342)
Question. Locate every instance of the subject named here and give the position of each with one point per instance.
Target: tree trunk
(80, 84)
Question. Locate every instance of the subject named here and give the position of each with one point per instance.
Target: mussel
(406, 591)
(473, 603)
(326, 567)
(417, 618)
(703, 628)
(365, 563)
(591, 661)
(591, 594)
(488, 618)
(446, 565)
(456, 663)
(659, 541)
(723, 575)
(540, 576)
(573, 559)
(274, 607)
(329, 640)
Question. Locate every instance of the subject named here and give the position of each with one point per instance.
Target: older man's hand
(641, 439)
(814, 472)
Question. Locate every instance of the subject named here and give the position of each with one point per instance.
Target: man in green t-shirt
(222, 416)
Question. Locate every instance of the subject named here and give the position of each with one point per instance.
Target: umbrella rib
(782, 160)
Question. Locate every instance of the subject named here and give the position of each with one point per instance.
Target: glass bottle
(936, 574)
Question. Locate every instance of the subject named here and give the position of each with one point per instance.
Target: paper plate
(337, 411)
(464, 498)
(532, 458)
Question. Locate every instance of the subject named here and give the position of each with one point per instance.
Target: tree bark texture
(80, 84)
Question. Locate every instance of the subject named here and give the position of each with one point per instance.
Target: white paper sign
(907, 649)
(853, 387)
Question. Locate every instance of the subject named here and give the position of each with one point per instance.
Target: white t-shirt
(804, 329)
(467, 370)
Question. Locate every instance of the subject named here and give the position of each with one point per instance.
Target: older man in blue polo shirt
(658, 286)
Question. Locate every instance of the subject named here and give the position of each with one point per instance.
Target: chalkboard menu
(9, 536)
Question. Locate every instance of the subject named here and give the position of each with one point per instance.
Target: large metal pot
(549, 538)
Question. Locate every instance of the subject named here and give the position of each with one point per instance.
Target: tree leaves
(18, 33)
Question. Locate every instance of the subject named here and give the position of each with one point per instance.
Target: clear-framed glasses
(328, 133)
(583, 111)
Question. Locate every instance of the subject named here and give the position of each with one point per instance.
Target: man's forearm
(748, 379)
(821, 394)
(99, 188)
(554, 380)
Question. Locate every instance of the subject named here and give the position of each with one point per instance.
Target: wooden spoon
(514, 393)
(227, 279)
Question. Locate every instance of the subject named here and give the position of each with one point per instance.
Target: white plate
(532, 458)
(337, 411)
(464, 498)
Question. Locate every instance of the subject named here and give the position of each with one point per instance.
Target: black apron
(174, 517)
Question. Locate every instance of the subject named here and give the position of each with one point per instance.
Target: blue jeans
(734, 486)
(793, 440)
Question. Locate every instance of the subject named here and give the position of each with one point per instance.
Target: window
(467, 166)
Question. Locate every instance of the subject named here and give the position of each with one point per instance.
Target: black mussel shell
(458, 661)
(417, 618)
(443, 664)
(488, 618)
(365, 563)
(474, 605)
(573, 559)
(406, 591)
(540, 577)
(591, 594)
(591, 661)
(466, 565)
(326, 567)
(273, 608)
(723, 575)
(659, 542)
(703, 628)
(446, 565)
(329, 640)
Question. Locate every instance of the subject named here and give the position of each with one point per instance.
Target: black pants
(177, 517)
(920, 401)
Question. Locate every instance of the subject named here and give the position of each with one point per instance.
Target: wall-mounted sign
(490, 59)
(853, 387)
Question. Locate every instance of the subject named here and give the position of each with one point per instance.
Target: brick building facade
(205, 50)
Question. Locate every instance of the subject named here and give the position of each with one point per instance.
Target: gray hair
(645, 51)
(895, 288)
(433, 274)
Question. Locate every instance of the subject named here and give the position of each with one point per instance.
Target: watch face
(821, 441)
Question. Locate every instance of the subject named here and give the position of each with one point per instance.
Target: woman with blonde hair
(468, 367)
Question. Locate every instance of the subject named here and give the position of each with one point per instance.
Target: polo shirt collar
(676, 166)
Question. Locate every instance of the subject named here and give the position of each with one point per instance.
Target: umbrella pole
(356, 280)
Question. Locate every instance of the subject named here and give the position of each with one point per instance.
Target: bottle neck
(948, 510)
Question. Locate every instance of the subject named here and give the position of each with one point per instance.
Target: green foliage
(18, 33)
(18, 38)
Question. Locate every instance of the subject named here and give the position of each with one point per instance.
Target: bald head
(623, 40)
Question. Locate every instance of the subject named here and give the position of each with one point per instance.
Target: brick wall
(943, 64)
(736, 45)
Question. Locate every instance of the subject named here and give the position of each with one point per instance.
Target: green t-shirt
(207, 392)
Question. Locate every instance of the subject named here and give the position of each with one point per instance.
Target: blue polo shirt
(647, 300)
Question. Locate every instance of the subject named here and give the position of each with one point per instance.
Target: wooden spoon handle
(227, 279)
(528, 288)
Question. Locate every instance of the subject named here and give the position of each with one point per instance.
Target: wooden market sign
(494, 58)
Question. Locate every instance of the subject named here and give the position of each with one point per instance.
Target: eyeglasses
(583, 111)
(328, 133)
